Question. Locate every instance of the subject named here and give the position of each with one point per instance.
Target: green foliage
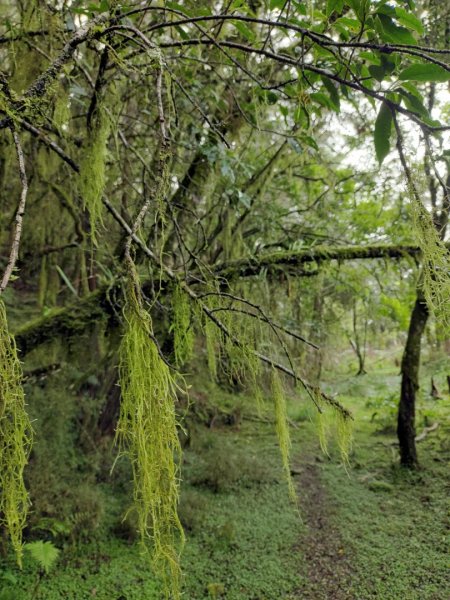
(222, 468)
(15, 439)
(382, 132)
(222, 204)
(424, 72)
(216, 590)
(44, 553)
(66, 463)
(380, 486)
(193, 506)
(147, 434)
(396, 309)
(242, 537)
(392, 522)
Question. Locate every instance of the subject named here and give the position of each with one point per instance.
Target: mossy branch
(291, 260)
(68, 321)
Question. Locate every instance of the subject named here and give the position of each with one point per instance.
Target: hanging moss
(282, 429)
(436, 263)
(322, 430)
(183, 331)
(212, 339)
(212, 346)
(92, 169)
(15, 439)
(344, 436)
(61, 112)
(239, 361)
(242, 365)
(331, 417)
(147, 434)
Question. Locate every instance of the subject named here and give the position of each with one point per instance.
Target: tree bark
(410, 383)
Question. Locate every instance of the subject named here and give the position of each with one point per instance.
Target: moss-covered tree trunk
(410, 383)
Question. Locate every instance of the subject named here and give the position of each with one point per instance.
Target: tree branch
(14, 253)
(248, 267)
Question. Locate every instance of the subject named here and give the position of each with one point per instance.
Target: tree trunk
(410, 383)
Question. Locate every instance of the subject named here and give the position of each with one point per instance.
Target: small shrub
(215, 590)
(222, 467)
(226, 533)
(87, 512)
(192, 509)
(45, 554)
(126, 527)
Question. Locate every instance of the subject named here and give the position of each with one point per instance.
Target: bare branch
(14, 253)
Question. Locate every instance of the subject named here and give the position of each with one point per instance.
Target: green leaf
(370, 56)
(301, 116)
(44, 553)
(359, 8)
(390, 32)
(409, 20)
(66, 280)
(180, 7)
(274, 4)
(382, 132)
(332, 6)
(309, 141)
(269, 96)
(9, 577)
(332, 90)
(245, 31)
(321, 99)
(424, 72)
(413, 103)
(385, 9)
(377, 72)
(182, 32)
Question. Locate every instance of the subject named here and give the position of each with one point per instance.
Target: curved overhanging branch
(76, 318)
(248, 267)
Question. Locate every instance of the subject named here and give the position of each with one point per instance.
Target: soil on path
(328, 563)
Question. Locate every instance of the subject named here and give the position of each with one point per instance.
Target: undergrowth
(393, 522)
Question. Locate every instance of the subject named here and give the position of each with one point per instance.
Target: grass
(244, 537)
(394, 522)
(240, 525)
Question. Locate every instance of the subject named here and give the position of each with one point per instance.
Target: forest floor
(327, 560)
(364, 531)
